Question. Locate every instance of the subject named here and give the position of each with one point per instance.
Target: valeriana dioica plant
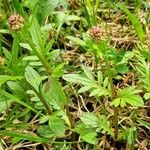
(37, 84)
(101, 85)
(83, 91)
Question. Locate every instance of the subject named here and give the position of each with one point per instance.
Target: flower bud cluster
(16, 22)
(97, 33)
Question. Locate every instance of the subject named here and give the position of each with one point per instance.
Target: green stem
(113, 95)
(41, 58)
(44, 102)
(15, 49)
(49, 71)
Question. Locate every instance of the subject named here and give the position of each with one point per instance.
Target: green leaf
(89, 119)
(116, 102)
(143, 69)
(18, 7)
(58, 70)
(45, 8)
(137, 25)
(7, 53)
(30, 58)
(53, 54)
(32, 77)
(44, 119)
(87, 134)
(128, 95)
(89, 83)
(49, 46)
(55, 94)
(5, 102)
(15, 99)
(88, 73)
(34, 63)
(36, 34)
(94, 92)
(84, 89)
(4, 78)
(104, 125)
(78, 41)
(100, 77)
(26, 46)
(17, 89)
(147, 96)
(75, 78)
(72, 18)
(45, 131)
(122, 68)
(144, 123)
(23, 136)
(128, 134)
(135, 101)
(127, 56)
(16, 140)
(57, 125)
(131, 135)
(15, 50)
(106, 82)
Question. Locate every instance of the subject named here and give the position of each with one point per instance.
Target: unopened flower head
(97, 33)
(16, 22)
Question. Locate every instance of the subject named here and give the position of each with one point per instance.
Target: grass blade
(137, 25)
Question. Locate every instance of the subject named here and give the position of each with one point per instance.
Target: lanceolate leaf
(84, 89)
(32, 77)
(88, 73)
(55, 94)
(137, 25)
(75, 78)
(5, 102)
(4, 78)
(36, 33)
(23, 136)
(76, 40)
(15, 99)
(17, 89)
(95, 92)
(100, 77)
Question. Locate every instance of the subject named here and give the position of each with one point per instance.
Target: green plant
(90, 10)
(74, 77)
(102, 84)
(137, 25)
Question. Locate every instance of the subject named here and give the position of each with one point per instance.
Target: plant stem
(15, 49)
(41, 58)
(113, 95)
(49, 71)
(40, 96)
(116, 122)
